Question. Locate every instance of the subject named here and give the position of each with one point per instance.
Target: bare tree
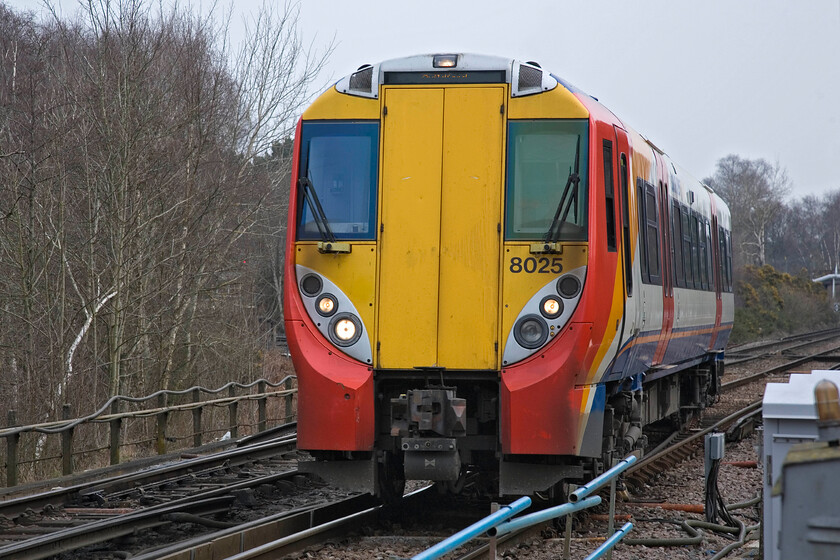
(141, 224)
(754, 191)
(276, 72)
(829, 229)
(797, 237)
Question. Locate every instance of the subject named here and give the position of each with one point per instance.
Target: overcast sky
(700, 79)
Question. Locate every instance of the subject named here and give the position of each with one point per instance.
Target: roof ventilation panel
(364, 82)
(361, 80)
(529, 79)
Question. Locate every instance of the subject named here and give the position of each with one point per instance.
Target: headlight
(568, 286)
(311, 285)
(327, 305)
(551, 307)
(345, 329)
(531, 331)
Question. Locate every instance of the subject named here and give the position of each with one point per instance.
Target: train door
(439, 235)
(667, 264)
(714, 250)
(623, 219)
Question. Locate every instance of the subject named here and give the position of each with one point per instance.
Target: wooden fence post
(116, 426)
(66, 443)
(196, 414)
(162, 418)
(288, 386)
(232, 408)
(12, 452)
(261, 402)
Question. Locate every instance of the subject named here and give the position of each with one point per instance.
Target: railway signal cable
(715, 507)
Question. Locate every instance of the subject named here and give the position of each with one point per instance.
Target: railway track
(294, 534)
(199, 492)
(682, 445)
(15, 503)
(189, 491)
(825, 360)
(749, 352)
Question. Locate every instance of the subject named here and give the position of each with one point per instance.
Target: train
(489, 274)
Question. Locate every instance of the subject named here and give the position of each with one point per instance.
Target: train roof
(525, 78)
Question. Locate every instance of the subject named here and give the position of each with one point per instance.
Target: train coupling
(428, 421)
(429, 410)
(431, 459)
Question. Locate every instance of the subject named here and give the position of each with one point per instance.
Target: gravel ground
(682, 485)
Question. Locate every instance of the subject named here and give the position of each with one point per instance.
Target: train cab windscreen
(338, 174)
(547, 180)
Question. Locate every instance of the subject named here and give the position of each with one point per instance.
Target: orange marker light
(326, 305)
(551, 307)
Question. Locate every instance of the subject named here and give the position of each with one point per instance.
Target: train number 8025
(532, 265)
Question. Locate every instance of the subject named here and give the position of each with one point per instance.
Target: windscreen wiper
(317, 210)
(565, 205)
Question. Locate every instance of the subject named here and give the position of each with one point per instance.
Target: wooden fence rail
(113, 414)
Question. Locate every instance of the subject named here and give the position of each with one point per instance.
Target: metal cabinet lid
(795, 399)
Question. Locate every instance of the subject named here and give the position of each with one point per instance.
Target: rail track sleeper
(107, 529)
(96, 489)
(261, 531)
(128, 481)
(28, 532)
(652, 459)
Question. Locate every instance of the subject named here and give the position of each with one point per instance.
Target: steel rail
(788, 349)
(651, 461)
(228, 458)
(777, 369)
(643, 467)
(283, 533)
(62, 495)
(104, 530)
(824, 334)
(506, 541)
(73, 538)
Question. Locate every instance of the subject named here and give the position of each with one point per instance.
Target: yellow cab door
(439, 243)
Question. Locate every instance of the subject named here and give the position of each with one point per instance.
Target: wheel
(390, 479)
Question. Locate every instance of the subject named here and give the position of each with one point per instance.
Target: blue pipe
(596, 483)
(474, 530)
(540, 516)
(610, 542)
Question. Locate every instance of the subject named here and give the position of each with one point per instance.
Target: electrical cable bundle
(715, 506)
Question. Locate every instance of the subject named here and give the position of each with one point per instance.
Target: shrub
(771, 303)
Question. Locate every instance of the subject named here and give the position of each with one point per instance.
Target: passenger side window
(609, 196)
(649, 228)
(676, 246)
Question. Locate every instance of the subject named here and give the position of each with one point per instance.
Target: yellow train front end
(412, 266)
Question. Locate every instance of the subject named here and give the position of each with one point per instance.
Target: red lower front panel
(540, 405)
(335, 395)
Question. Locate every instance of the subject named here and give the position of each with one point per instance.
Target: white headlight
(345, 329)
